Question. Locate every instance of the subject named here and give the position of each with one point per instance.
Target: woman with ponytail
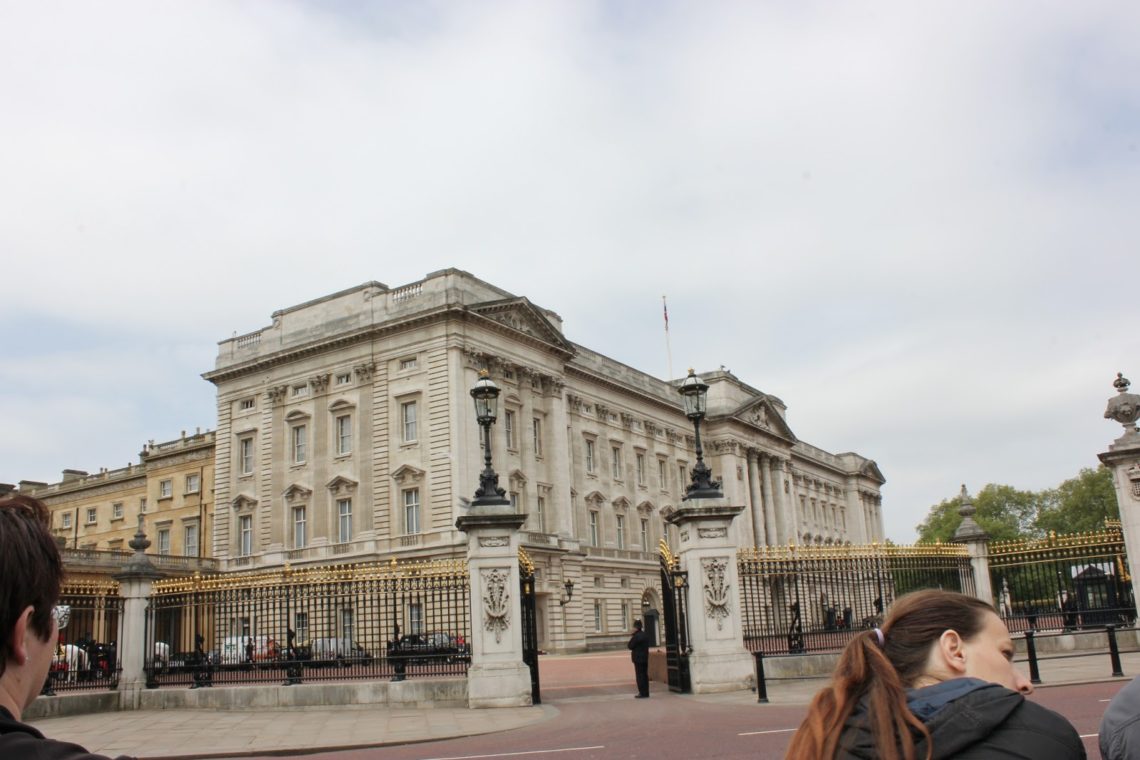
(935, 682)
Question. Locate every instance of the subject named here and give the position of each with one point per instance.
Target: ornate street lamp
(695, 395)
(486, 395)
(569, 586)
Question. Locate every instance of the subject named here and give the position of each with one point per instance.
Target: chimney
(70, 475)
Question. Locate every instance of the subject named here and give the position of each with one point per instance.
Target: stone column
(754, 496)
(769, 504)
(135, 581)
(718, 661)
(498, 677)
(781, 502)
(856, 522)
(1123, 456)
(976, 540)
(559, 519)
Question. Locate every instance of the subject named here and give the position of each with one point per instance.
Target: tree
(1079, 504)
(1003, 511)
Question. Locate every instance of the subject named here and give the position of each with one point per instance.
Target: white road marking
(773, 731)
(516, 754)
(1089, 736)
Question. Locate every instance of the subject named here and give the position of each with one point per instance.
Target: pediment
(621, 503)
(595, 497)
(341, 484)
(521, 315)
(762, 414)
(517, 478)
(296, 415)
(340, 404)
(646, 508)
(241, 501)
(407, 474)
(871, 470)
(297, 492)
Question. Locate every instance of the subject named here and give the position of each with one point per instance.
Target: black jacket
(639, 647)
(988, 722)
(19, 740)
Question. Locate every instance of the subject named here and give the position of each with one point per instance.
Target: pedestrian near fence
(639, 653)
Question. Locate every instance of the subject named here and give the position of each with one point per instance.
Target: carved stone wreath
(496, 601)
(716, 589)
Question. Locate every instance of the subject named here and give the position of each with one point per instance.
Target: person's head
(928, 636)
(637, 625)
(31, 573)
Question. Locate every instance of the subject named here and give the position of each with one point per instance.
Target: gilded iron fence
(1067, 583)
(798, 599)
(357, 621)
(86, 655)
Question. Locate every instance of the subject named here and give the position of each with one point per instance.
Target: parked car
(436, 646)
(328, 651)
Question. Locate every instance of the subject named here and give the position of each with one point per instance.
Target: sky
(915, 223)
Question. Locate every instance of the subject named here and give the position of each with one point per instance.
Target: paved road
(597, 719)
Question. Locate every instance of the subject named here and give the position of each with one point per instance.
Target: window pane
(344, 516)
(409, 416)
(344, 434)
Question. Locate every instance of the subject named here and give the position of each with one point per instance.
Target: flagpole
(668, 347)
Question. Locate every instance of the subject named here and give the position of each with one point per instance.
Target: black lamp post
(695, 395)
(486, 395)
(569, 586)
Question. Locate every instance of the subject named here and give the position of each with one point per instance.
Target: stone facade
(171, 485)
(346, 433)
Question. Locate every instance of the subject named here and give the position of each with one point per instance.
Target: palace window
(620, 531)
(589, 456)
(245, 535)
(644, 535)
(190, 540)
(408, 416)
(343, 378)
(509, 429)
(347, 623)
(640, 469)
(301, 625)
(117, 510)
(344, 434)
(299, 527)
(300, 390)
(415, 617)
(615, 452)
(661, 473)
(409, 363)
(246, 404)
(300, 444)
(594, 528)
(165, 488)
(344, 520)
(412, 511)
(626, 623)
(66, 522)
(193, 483)
(164, 541)
(597, 616)
(540, 514)
(537, 437)
(682, 481)
(245, 456)
(92, 515)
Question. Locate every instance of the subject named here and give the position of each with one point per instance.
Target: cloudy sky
(916, 223)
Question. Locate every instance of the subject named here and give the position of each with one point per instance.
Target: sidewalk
(214, 733)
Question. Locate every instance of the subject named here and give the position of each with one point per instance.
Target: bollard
(761, 686)
(1114, 651)
(1031, 649)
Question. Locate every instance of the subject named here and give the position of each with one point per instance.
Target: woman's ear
(952, 653)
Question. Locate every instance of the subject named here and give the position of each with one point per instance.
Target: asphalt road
(599, 720)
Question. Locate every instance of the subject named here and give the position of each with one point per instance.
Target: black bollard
(1031, 649)
(1114, 651)
(761, 684)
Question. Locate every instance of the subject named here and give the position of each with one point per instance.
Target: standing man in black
(639, 653)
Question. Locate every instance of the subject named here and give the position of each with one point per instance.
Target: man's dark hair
(636, 623)
(31, 570)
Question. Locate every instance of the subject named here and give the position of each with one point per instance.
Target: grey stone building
(346, 433)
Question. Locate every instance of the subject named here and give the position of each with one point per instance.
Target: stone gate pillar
(135, 581)
(1123, 456)
(977, 545)
(498, 677)
(719, 661)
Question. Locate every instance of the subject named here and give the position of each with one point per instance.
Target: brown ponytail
(879, 675)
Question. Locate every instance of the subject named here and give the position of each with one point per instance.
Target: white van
(235, 650)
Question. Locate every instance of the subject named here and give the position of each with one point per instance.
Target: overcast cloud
(915, 223)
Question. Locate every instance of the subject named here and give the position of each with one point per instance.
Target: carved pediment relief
(243, 502)
(872, 471)
(621, 504)
(341, 485)
(518, 480)
(595, 498)
(341, 405)
(761, 414)
(296, 416)
(297, 493)
(407, 475)
(520, 314)
(645, 508)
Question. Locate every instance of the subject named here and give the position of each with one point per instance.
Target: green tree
(1003, 511)
(1079, 504)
